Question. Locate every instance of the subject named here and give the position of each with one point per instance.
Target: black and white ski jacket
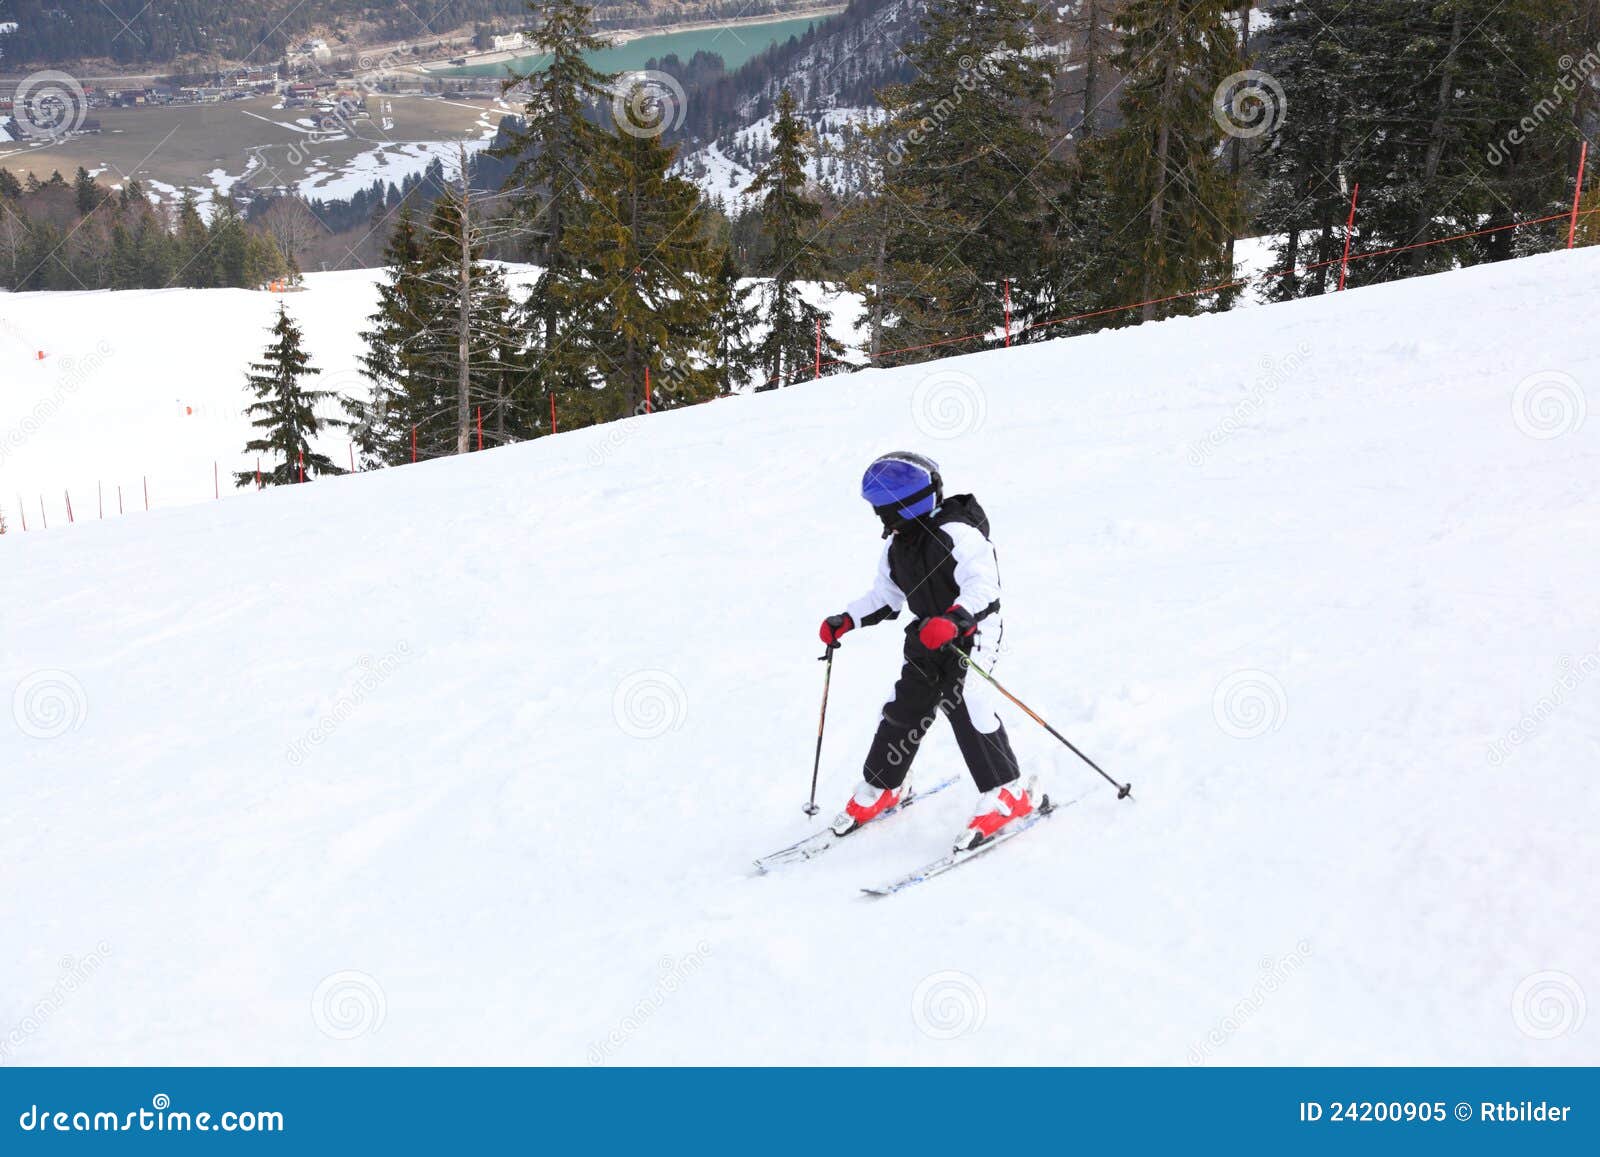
(933, 563)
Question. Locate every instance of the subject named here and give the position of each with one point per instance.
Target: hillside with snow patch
(466, 761)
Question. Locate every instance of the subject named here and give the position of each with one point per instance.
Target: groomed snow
(466, 762)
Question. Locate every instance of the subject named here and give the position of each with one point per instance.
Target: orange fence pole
(1577, 197)
(1349, 230)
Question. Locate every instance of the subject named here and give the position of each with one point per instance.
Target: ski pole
(811, 808)
(1122, 788)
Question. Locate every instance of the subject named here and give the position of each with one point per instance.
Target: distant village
(310, 77)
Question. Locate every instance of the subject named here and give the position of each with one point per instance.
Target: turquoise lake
(736, 44)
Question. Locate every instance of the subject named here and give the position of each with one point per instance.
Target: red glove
(833, 626)
(942, 630)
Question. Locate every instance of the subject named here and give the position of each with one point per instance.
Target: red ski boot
(997, 808)
(866, 805)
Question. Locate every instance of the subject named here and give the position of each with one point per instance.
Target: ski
(818, 842)
(954, 860)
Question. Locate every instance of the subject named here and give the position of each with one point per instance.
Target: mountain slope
(466, 761)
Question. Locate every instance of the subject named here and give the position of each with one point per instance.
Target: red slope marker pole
(1577, 197)
(817, 368)
(1349, 229)
(300, 458)
(647, 389)
(552, 412)
(480, 427)
(1008, 313)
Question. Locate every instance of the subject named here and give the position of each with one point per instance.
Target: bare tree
(293, 226)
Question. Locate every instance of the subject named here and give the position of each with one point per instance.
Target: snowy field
(107, 406)
(466, 762)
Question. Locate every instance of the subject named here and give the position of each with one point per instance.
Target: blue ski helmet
(902, 485)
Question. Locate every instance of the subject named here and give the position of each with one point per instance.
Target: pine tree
(1321, 140)
(1417, 102)
(1088, 248)
(1094, 41)
(1172, 198)
(977, 141)
(556, 148)
(648, 298)
(377, 424)
(790, 218)
(88, 195)
(284, 411)
(734, 353)
(907, 287)
(193, 258)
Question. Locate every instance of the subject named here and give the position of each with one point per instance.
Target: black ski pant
(931, 682)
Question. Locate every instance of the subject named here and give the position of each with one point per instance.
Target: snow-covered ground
(467, 761)
(107, 406)
(720, 175)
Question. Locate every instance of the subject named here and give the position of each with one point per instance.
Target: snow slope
(466, 761)
(151, 384)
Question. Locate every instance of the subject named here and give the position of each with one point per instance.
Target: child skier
(939, 560)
